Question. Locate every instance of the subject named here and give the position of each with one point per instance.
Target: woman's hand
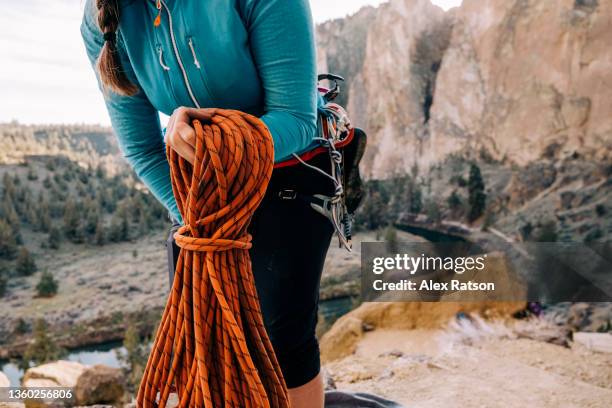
(180, 134)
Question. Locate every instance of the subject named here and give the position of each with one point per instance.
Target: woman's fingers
(180, 134)
(187, 133)
(178, 140)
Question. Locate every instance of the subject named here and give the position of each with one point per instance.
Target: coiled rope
(211, 344)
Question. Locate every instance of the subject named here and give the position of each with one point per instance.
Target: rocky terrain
(522, 79)
(102, 289)
(86, 145)
(431, 355)
(521, 87)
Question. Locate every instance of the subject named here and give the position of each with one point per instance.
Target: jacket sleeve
(281, 35)
(135, 122)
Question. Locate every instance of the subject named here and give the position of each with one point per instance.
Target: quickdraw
(334, 132)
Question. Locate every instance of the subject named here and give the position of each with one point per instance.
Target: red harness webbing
(314, 152)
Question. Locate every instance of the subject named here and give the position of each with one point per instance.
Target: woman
(183, 58)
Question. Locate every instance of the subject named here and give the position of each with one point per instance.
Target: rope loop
(211, 345)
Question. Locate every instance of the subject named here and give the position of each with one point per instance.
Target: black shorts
(290, 242)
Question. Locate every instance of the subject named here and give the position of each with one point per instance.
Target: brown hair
(109, 67)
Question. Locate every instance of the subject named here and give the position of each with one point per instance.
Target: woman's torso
(203, 64)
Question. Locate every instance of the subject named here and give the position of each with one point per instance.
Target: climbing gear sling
(345, 147)
(211, 344)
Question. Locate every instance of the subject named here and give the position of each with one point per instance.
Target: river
(106, 354)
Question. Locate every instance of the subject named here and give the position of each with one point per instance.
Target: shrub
(547, 232)
(26, 265)
(3, 284)
(8, 241)
(47, 286)
(43, 349)
(391, 240)
(476, 190)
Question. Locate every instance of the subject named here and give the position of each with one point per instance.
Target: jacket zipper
(178, 57)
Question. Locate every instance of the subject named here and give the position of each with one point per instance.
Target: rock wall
(527, 78)
(392, 80)
(522, 79)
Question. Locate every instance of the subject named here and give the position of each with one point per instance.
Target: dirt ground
(474, 368)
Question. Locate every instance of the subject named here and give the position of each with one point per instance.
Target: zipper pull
(157, 20)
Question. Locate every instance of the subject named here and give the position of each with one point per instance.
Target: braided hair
(108, 65)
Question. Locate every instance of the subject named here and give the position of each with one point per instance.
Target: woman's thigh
(290, 242)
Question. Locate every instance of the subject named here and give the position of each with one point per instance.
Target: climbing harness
(335, 133)
(211, 345)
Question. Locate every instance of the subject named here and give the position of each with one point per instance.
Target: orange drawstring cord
(211, 344)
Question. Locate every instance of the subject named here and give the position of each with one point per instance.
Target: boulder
(56, 374)
(92, 385)
(342, 339)
(4, 381)
(100, 384)
(599, 342)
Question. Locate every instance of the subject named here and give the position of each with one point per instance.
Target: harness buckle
(287, 194)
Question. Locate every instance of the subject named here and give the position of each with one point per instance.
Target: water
(106, 354)
(101, 354)
(331, 310)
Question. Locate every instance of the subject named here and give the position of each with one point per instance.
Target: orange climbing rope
(211, 345)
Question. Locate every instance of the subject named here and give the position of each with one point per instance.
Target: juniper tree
(8, 241)
(26, 265)
(47, 286)
(55, 238)
(476, 193)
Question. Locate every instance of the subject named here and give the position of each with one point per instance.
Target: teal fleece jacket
(257, 56)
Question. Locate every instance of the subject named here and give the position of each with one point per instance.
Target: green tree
(372, 212)
(55, 238)
(47, 182)
(8, 241)
(47, 286)
(100, 172)
(477, 198)
(454, 201)
(8, 211)
(547, 232)
(391, 240)
(32, 174)
(119, 229)
(135, 355)
(100, 233)
(3, 279)
(8, 186)
(433, 211)
(144, 222)
(43, 349)
(72, 221)
(26, 265)
(44, 214)
(50, 165)
(20, 327)
(416, 198)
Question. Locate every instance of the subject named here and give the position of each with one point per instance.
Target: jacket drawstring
(161, 59)
(195, 57)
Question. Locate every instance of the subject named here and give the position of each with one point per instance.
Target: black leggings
(290, 242)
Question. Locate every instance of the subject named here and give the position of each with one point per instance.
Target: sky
(45, 76)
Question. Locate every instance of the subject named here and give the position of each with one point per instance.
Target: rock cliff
(520, 79)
